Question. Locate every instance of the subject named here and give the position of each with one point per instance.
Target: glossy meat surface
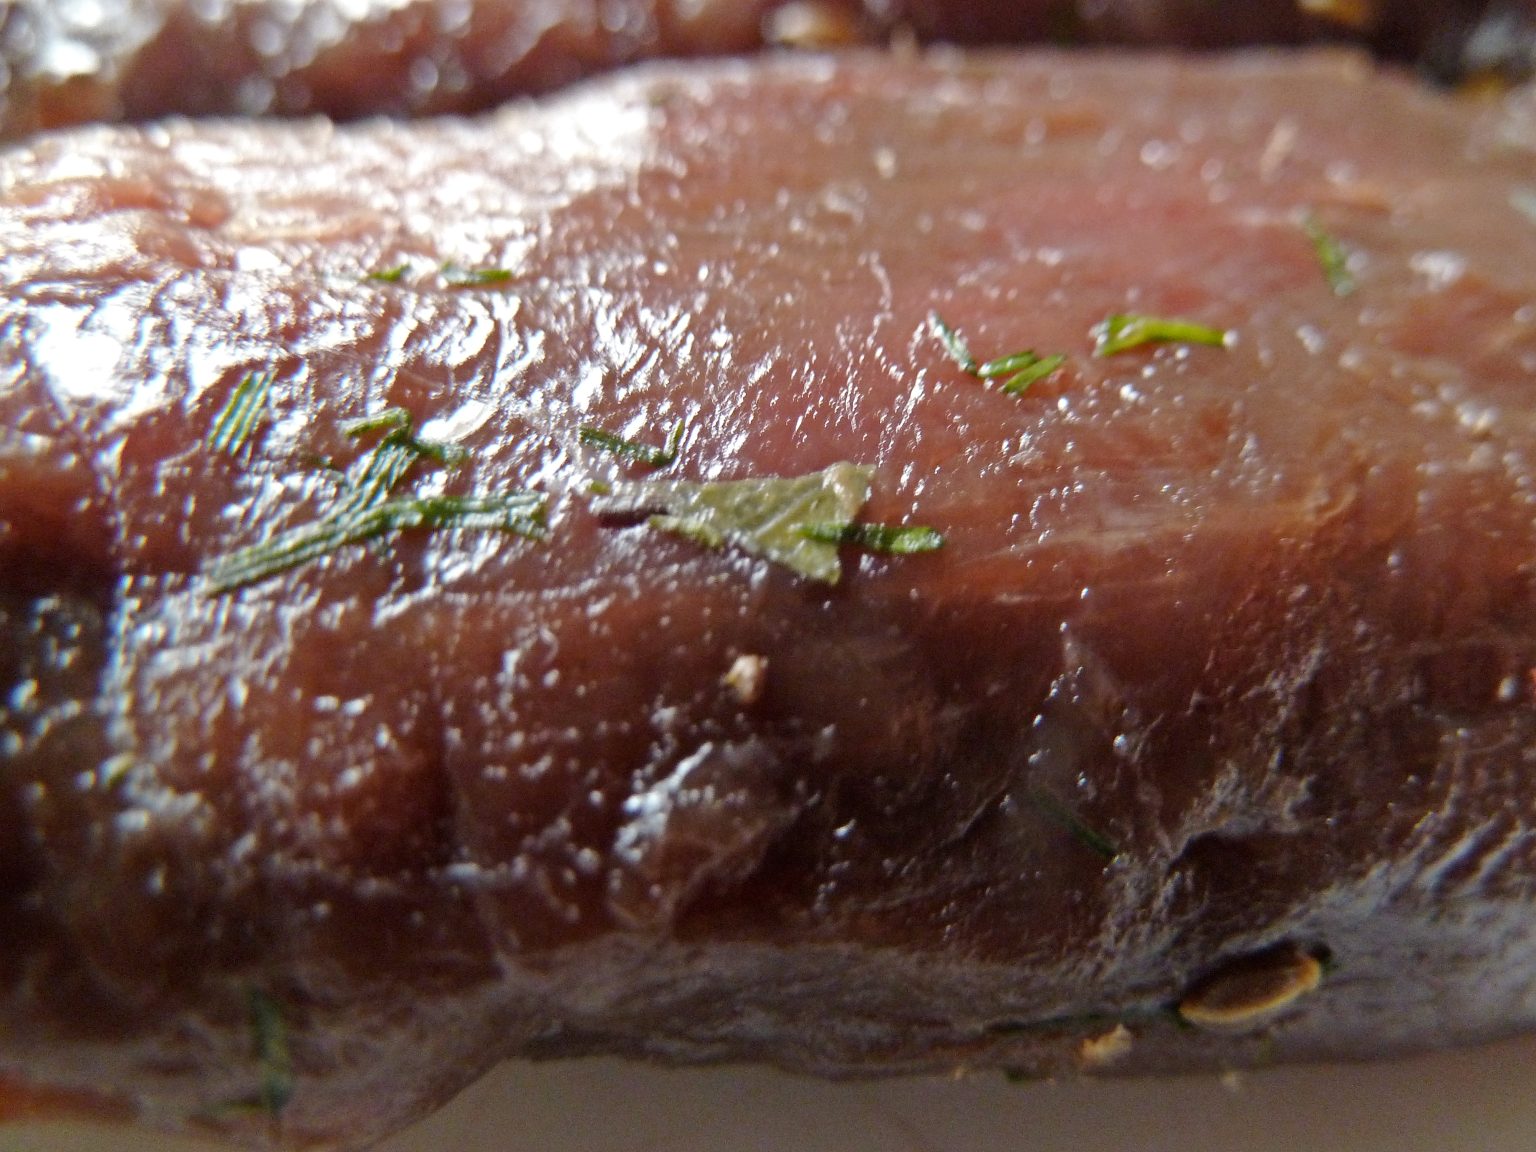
(71, 61)
(1219, 692)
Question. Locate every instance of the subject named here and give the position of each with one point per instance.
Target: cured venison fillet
(63, 62)
(1205, 739)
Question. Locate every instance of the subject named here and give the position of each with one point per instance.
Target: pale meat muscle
(1216, 703)
(69, 61)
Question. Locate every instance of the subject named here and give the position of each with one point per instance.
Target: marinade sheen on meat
(68, 61)
(1213, 719)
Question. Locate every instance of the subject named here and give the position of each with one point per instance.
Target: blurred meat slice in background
(72, 61)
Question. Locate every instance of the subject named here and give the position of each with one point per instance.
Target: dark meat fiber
(69, 61)
(1209, 730)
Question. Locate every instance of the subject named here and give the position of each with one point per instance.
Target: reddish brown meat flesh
(1258, 619)
(65, 62)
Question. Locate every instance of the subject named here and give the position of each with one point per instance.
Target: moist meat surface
(1219, 693)
(67, 61)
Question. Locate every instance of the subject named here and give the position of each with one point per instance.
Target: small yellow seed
(1252, 989)
(1101, 1051)
(1358, 14)
(746, 678)
(808, 24)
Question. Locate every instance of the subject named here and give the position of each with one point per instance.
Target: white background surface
(1478, 1101)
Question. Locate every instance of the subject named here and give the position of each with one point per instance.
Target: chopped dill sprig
(889, 539)
(521, 513)
(1059, 814)
(269, 1042)
(367, 507)
(1124, 331)
(233, 427)
(1018, 370)
(274, 1067)
(390, 275)
(380, 474)
(954, 343)
(383, 470)
(458, 276)
(396, 422)
(1331, 255)
(649, 455)
(1021, 369)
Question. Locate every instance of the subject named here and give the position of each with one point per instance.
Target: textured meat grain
(1228, 653)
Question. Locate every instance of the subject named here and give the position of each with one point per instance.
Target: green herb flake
(1124, 331)
(458, 276)
(324, 465)
(269, 1042)
(650, 456)
(388, 420)
(1059, 814)
(390, 275)
(765, 517)
(1017, 371)
(234, 426)
(520, 513)
(1331, 255)
(889, 539)
(438, 451)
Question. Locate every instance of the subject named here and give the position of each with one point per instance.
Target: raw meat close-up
(870, 564)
